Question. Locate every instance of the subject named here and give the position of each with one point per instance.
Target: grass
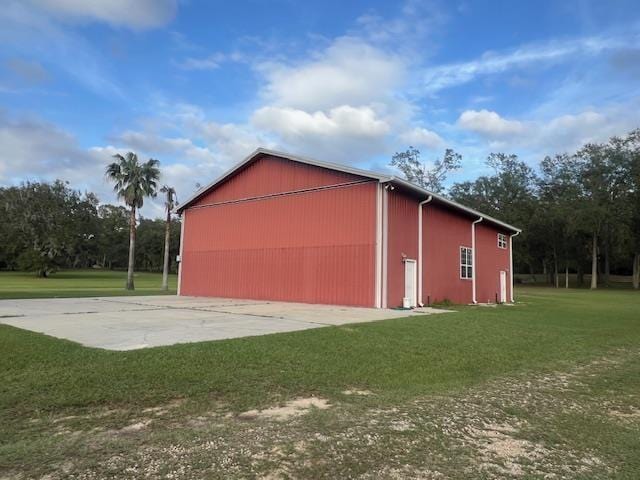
(439, 375)
(80, 283)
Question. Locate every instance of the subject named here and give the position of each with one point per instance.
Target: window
(466, 263)
(502, 241)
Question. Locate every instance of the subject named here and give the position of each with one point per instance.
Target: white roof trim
(346, 169)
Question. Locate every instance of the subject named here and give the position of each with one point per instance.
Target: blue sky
(200, 84)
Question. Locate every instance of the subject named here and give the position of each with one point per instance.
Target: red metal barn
(282, 227)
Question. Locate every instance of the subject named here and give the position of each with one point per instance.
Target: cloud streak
(137, 15)
(450, 75)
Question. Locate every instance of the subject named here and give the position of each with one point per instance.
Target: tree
(45, 226)
(632, 148)
(133, 183)
(508, 194)
(604, 178)
(430, 178)
(559, 195)
(150, 238)
(170, 203)
(113, 235)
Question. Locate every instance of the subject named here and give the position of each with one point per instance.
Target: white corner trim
(420, 260)
(474, 263)
(183, 220)
(378, 253)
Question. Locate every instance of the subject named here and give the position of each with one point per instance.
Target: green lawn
(555, 379)
(80, 283)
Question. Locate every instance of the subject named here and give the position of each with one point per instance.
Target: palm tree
(170, 203)
(133, 182)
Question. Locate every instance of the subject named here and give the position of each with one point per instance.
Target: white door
(503, 287)
(410, 277)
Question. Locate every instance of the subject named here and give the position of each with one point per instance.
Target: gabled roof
(382, 178)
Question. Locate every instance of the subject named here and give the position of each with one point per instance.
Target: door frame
(503, 286)
(414, 294)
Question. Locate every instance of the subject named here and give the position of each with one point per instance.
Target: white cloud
(343, 120)
(138, 14)
(30, 33)
(409, 30)
(233, 141)
(570, 132)
(540, 136)
(31, 146)
(489, 124)
(344, 133)
(348, 72)
(158, 145)
(40, 151)
(201, 151)
(421, 137)
(211, 62)
(449, 75)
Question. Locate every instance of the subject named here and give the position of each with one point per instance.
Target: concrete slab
(127, 323)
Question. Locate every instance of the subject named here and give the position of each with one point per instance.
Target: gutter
(473, 261)
(424, 202)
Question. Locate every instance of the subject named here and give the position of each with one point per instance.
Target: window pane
(463, 272)
(469, 272)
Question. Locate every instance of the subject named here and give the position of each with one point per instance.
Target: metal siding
(443, 233)
(314, 247)
(490, 261)
(402, 239)
(268, 175)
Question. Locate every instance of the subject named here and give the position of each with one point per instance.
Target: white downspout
(385, 240)
(420, 248)
(473, 261)
(511, 260)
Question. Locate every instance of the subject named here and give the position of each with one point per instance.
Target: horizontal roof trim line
(382, 178)
(301, 191)
(287, 156)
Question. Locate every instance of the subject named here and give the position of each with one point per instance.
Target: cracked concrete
(127, 323)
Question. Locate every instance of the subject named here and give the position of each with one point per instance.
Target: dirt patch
(164, 409)
(500, 429)
(363, 393)
(499, 448)
(129, 429)
(629, 414)
(293, 408)
(135, 427)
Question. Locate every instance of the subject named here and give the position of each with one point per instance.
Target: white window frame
(502, 241)
(466, 263)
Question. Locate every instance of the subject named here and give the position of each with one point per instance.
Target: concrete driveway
(128, 323)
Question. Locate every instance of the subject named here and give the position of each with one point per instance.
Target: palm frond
(133, 181)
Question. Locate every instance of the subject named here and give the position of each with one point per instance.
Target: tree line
(579, 212)
(49, 226)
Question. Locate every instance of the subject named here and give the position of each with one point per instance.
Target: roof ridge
(383, 178)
